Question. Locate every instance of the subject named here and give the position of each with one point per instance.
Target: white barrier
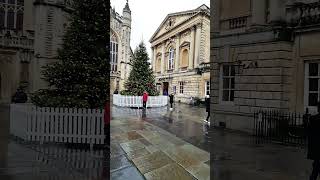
(136, 101)
(63, 125)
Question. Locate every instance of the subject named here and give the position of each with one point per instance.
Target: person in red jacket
(107, 117)
(145, 99)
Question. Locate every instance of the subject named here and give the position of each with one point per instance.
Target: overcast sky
(147, 15)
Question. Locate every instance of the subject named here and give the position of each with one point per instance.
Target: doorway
(165, 88)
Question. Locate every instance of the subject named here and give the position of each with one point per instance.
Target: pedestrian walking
(207, 102)
(171, 99)
(313, 133)
(145, 99)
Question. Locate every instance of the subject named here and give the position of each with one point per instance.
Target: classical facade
(180, 54)
(120, 50)
(30, 33)
(265, 55)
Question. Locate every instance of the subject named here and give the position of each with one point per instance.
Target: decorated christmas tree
(141, 76)
(80, 77)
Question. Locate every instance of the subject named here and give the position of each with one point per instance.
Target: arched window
(171, 59)
(2, 18)
(114, 53)
(185, 58)
(19, 23)
(10, 19)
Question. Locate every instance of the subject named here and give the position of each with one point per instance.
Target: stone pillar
(177, 59)
(197, 46)
(162, 59)
(277, 10)
(215, 18)
(154, 59)
(258, 12)
(191, 51)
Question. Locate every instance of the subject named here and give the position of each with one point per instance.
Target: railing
(303, 14)
(239, 22)
(16, 42)
(136, 101)
(63, 125)
(283, 127)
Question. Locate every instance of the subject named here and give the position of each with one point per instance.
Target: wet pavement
(159, 144)
(233, 155)
(25, 160)
(238, 156)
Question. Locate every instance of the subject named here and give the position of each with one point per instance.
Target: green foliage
(141, 76)
(80, 78)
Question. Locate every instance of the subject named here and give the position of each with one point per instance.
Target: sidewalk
(147, 151)
(237, 156)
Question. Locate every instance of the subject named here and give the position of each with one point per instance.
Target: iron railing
(283, 127)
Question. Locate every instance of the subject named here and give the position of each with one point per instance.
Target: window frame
(171, 59)
(206, 90)
(307, 92)
(221, 89)
(114, 53)
(181, 87)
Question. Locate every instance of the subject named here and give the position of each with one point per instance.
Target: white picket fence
(136, 101)
(63, 125)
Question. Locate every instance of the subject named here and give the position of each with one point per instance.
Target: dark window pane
(233, 71)
(19, 24)
(232, 83)
(2, 16)
(225, 70)
(225, 95)
(226, 83)
(10, 20)
(313, 99)
(313, 84)
(313, 69)
(231, 95)
(20, 2)
(11, 2)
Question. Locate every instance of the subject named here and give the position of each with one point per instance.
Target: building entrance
(165, 88)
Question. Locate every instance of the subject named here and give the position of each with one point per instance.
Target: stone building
(120, 50)
(180, 54)
(30, 33)
(265, 55)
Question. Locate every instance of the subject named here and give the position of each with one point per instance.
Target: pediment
(175, 19)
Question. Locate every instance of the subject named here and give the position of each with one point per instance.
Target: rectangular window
(207, 88)
(228, 83)
(181, 87)
(312, 84)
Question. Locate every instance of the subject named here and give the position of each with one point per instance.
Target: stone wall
(267, 86)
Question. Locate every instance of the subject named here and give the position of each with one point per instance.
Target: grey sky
(147, 15)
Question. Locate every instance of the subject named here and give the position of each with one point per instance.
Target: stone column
(154, 59)
(191, 51)
(215, 18)
(162, 59)
(197, 47)
(277, 10)
(258, 12)
(177, 59)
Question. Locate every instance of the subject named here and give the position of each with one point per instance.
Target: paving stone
(132, 146)
(127, 173)
(151, 162)
(119, 162)
(169, 172)
(200, 171)
(138, 153)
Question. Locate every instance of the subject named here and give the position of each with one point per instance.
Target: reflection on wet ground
(238, 156)
(159, 144)
(24, 160)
